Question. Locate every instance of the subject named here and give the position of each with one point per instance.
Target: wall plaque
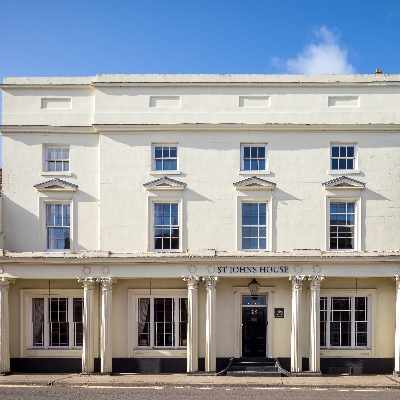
(279, 313)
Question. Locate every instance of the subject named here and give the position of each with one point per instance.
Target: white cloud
(326, 57)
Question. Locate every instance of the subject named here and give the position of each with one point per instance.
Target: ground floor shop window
(161, 322)
(56, 322)
(345, 322)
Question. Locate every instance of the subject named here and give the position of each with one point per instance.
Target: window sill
(158, 353)
(343, 172)
(358, 353)
(58, 251)
(164, 172)
(45, 353)
(59, 173)
(255, 172)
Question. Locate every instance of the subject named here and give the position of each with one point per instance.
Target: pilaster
(106, 324)
(397, 329)
(88, 328)
(4, 326)
(315, 289)
(211, 351)
(193, 324)
(295, 348)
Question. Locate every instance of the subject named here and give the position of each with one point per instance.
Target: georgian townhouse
(169, 223)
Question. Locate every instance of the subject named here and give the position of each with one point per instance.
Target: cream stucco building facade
(137, 209)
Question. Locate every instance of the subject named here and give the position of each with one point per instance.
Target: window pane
(246, 152)
(342, 164)
(183, 318)
(172, 152)
(261, 152)
(342, 151)
(335, 164)
(246, 165)
(350, 151)
(350, 164)
(38, 322)
(143, 322)
(158, 152)
(335, 151)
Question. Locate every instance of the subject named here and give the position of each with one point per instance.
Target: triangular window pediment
(165, 183)
(343, 182)
(57, 185)
(254, 183)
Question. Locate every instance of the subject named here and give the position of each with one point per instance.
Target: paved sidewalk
(183, 380)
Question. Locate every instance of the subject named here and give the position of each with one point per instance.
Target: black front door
(254, 329)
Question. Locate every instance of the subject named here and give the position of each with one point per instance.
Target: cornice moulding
(229, 127)
(10, 129)
(23, 86)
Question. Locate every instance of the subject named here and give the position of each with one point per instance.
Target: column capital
(5, 283)
(211, 282)
(315, 281)
(396, 279)
(192, 281)
(297, 281)
(106, 282)
(88, 283)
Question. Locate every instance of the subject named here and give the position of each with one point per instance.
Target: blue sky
(72, 38)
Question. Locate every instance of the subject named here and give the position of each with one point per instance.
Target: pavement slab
(183, 380)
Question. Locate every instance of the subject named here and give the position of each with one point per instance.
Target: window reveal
(58, 226)
(166, 226)
(162, 322)
(57, 322)
(342, 224)
(254, 226)
(344, 322)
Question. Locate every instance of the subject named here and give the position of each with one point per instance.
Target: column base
(306, 373)
(396, 373)
(5, 373)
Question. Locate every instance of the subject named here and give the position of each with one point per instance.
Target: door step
(254, 367)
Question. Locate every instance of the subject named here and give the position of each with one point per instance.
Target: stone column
(193, 324)
(295, 348)
(4, 326)
(396, 371)
(106, 324)
(211, 353)
(88, 328)
(315, 286)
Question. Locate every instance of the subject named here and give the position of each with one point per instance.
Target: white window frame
(152, 345)
(355, 158)
(61, 199)
(346, 214)
(46, 159)
(154, 171)
(256, 226)
(357, 221)
(147, 351)
(253, 198)
(362, 352)
(46, 319)
(66, 226)
(152, 224)
(27, 350)
(253, 171)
